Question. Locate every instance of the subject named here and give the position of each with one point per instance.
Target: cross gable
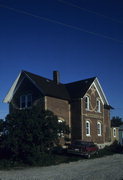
(16, 85)
(95, 86)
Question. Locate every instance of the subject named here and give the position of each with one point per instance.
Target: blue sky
(79, 38)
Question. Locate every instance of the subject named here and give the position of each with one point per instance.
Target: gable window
(29, 100)
(22, 101)
(25, 101)
(99, 129)
(114, 132)
(87, 103)
(98, 106)
(87, 128)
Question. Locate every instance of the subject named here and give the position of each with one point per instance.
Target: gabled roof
(49, 87)
(79, 88)
(46, 86)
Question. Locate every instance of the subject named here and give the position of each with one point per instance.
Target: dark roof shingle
(63, 91)
(79, 88)
(49, 87)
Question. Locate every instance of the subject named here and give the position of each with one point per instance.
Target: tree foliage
(30, 133)
(1, 125)
(116, 121)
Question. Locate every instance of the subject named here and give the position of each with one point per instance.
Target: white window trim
(60, 121)
(87, 103)
(87, 122)
(114, 132)
(26, 101)
(100, 129)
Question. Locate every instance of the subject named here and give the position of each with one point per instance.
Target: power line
(60, 23)
(90, 11)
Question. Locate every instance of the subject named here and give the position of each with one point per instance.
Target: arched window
(99, 129)
(87, 128)
(60, 121)
(98, 106)
(114, 132)
(60, 133)
(87, 102)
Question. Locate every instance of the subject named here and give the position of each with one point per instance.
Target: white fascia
(10, 94)
(100, 91)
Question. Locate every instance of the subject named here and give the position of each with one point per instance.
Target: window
(99, 133)
(61, 132)
(25, 101)
(87, 103)
(87, 128)
(114, 132)
(60, 121)
(98, 105)
(29, 100)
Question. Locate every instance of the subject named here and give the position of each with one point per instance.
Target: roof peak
(87, 79)
(27, 72)
(78, 81)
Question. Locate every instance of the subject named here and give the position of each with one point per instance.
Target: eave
(10, 94)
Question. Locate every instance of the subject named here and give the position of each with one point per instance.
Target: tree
(116, 121)
(30, 133)
(1, 125)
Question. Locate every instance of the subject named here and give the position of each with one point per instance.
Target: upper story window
(114, 132)
(98, 106)
(87, 103)
(99, 129)
(25, 101)
(87, 128)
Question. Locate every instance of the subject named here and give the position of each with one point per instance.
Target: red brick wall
(93, 117)
(107, 125)
(59, 107)
(76, 119)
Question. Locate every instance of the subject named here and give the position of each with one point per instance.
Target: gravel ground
(106, 168)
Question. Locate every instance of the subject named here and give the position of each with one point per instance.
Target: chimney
(56, 77)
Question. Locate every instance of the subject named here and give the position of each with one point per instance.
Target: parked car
(83, 148)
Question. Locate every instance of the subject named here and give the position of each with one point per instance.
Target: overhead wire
(89, 11)
(60, 23)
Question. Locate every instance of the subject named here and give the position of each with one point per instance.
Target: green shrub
(105, 151)
(115, 147)
(29, 136)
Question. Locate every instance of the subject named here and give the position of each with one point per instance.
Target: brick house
(121, 134)
(114, 134)
(82, 104)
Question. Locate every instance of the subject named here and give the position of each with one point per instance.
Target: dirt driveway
(106, 168)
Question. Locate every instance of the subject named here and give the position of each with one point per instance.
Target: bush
(59, 150)
(115, 147)
(29, 136)
(105, 151)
